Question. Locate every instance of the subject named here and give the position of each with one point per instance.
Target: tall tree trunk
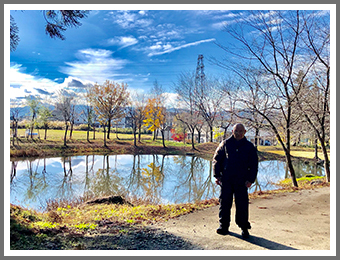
(88, 133)
(163, 141)
(316, 157)
(104, 135)
(291, 169)
(71, 130)
(134, 138)
(287, 150)
(225, 133)
(13, 138)
(66, 128)
(193, 139)
(327, 162)
(139, 133)
(108, 129)
(45, 133)
(256, 137)
(32, 130)
(117, 133)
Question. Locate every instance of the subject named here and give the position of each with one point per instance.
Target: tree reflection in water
(155, 178)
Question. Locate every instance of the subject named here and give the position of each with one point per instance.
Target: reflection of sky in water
(164, 179)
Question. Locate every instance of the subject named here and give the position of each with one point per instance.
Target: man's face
(239, 132)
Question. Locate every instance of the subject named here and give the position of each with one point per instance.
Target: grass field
(78, 144)
(54, 145)
(296, 151)
(57, 135)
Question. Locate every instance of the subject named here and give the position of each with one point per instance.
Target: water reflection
(157, 178)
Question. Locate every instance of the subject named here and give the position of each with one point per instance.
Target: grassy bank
(83, 227)
(68, 227)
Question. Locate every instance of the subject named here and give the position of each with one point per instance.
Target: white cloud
(94, 65)
(130, 19)
(171, 100)
(23, 84)
(123, 41)
(220, 25)
(169, 49)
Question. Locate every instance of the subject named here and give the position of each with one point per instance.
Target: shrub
(82, 127)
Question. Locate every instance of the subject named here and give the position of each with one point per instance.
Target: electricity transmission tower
(200, 76)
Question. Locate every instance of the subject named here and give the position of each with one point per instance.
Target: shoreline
(284, 221)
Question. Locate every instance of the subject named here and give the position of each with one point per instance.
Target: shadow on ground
(262, 242)
(137, 239)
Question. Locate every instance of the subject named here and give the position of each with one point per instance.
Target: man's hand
(248, 184)
(218, 181)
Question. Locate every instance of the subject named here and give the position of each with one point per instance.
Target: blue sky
(136, 47)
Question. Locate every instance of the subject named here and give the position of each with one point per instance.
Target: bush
(82, 127)
(57, 125)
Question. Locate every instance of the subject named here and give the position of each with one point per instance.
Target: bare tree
(208, 100)
(15, 117)
(74, 114)
(271, 40)
(34, 104)
(87, 113)
(160, 97)
(188, 114)
(45, 115)
(63, 106)
(251, 96)
(316, 103)
(136, 114)
(227, 113)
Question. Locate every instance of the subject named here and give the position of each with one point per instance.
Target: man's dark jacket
(235, 161)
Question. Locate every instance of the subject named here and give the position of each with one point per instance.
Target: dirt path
(290, 221)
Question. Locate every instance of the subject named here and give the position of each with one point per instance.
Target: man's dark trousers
(230, 189)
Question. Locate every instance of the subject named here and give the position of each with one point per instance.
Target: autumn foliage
(179, 137)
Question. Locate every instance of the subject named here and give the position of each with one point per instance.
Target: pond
(158, 178)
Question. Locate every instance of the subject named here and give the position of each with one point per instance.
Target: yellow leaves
(154, 114)
(152, 171)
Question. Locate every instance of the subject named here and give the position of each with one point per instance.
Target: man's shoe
(245, 233)
(222, 231)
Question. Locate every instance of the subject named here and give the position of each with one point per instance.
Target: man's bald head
(239, 131)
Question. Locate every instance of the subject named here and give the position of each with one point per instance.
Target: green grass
(301, 152)
(78, 145)
(58, 135)
(63, 228)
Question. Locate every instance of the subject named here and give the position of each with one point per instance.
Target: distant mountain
(24, 112)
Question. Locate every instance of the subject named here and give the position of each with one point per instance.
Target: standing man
(235, 165)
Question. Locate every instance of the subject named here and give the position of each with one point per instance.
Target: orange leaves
(109, 99)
